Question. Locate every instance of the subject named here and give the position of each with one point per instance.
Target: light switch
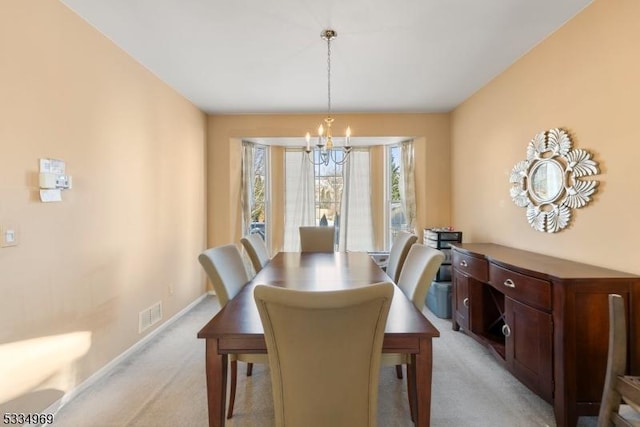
(8, 236)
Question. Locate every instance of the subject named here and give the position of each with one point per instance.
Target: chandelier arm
(323, 160)
(345, 156)
(310, 156)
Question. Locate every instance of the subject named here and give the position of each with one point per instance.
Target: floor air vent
(149, 317)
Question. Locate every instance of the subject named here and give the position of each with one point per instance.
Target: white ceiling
(266, 56)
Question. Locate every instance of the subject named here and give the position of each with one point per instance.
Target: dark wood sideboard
(546, 318)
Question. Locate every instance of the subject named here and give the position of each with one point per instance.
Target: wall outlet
(8, 236)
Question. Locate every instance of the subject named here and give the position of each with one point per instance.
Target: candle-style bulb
(348, 133)
(320, 130)
(307, 137)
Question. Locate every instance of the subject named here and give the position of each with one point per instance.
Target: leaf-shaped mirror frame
(549, 183)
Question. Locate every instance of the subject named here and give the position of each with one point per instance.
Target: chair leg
(411, 391)
(399, 371)
(232, 392)
(249, 369)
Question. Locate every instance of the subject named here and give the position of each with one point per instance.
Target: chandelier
(325, 148)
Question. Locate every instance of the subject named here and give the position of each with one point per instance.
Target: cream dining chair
(617, 385)
(324, 352)
(399, 250)
(418, 272)
(227, 273)
(257, 250)
(317, 239)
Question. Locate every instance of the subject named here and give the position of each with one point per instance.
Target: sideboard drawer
(520, 287)
(475, 267)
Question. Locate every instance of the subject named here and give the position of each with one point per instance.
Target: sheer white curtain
(408, 184)
(356, 222)
(299, 197)
(248, 177)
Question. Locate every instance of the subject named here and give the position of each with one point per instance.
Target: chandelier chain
(329, 75)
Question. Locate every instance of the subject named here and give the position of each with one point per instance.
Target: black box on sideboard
(441, 237)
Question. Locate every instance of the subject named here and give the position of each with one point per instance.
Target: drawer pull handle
(506, 330)
(509, 283)
(465, 302)
(463, 263)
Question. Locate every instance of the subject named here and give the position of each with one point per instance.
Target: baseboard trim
(102, 372)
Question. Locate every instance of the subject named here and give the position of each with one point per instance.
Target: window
(328, 185)
(255, 188)
(259, 199)
(396, 218)
(314, 196)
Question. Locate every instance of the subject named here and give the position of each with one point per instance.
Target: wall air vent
(149, 317)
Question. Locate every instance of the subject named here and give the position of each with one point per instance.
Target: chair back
(224, 266)
(617, 385)
(324, 353)
(418, 272)
(398, 254)
(317, 239)
(257, 250)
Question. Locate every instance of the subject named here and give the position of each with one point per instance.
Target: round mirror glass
(546, 179)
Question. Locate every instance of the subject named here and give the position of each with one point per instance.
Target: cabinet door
(460, 300)
(528, 344)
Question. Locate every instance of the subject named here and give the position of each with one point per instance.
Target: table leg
(216, 367)
(423, 370)
(411, 387)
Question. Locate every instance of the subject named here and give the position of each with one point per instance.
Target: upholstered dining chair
(398, 253)
(317, 239)
(257, 250)
(617, 385)
(227, 273)
(324, 353)
(419, 270)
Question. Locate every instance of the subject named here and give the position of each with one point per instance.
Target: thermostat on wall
(52, 179)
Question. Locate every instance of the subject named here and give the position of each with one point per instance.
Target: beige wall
(126, 236)
(431, 132)
(585, 78)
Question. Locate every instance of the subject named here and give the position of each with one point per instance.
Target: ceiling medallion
(549, 183)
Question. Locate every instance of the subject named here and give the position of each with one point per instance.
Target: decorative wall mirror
(549, 182)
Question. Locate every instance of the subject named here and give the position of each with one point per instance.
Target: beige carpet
(164, 385)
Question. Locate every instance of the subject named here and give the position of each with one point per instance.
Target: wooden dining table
(236, 328)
